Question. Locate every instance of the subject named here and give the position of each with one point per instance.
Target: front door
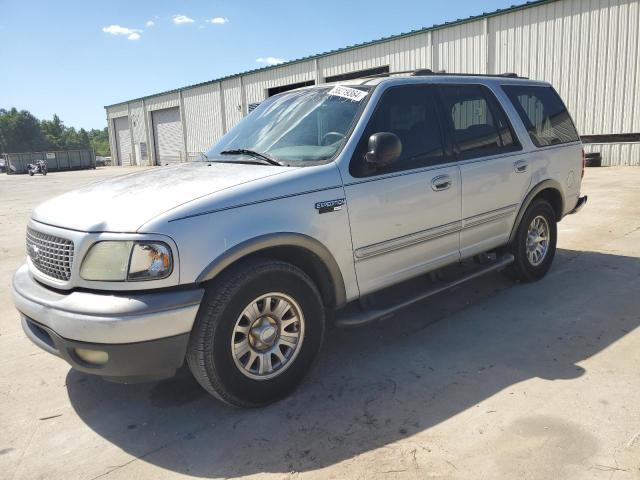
(405, 218)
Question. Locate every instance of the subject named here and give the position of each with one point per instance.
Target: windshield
(307, 125)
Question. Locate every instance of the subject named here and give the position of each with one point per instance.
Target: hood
(123, 204)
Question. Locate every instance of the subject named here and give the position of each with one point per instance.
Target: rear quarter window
(543, 113)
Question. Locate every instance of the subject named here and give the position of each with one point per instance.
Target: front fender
(281, 239)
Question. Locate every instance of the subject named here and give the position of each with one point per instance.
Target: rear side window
(480, 126)
(543, 114)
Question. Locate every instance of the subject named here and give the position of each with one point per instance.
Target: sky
(72, 57)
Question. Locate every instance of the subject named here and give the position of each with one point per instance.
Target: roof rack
(424, 72)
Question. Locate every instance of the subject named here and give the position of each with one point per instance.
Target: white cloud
(218, 20)
(150, 23)
(182, 19)
(118, 30)
(130, 33)
(270, 60)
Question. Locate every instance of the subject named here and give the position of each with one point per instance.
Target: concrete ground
(489, 381)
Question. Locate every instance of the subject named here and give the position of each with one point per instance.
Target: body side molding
(281, 239)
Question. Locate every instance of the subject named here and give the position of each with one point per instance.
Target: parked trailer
(56, 160)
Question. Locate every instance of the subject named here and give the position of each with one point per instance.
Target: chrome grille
(52, 255)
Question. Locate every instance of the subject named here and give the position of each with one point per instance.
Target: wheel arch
(298, 249)
(551, 191)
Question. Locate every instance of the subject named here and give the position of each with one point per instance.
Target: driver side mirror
(384, 149)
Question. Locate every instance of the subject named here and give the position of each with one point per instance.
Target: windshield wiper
(252, 153)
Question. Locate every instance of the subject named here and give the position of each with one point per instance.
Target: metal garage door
(167, 136)
(123, 140)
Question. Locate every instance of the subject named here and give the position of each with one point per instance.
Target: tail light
(584, 162)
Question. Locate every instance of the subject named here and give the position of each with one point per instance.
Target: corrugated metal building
(588, 49)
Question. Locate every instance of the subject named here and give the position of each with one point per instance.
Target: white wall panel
(588, 49)
(161, 102)
(115, 111)
(232, 101)
(462, 48)
(202, 117)
(407, 53)
(616, 154)
(256, 84)
(136, 117)
(353, 60)
(138, 131)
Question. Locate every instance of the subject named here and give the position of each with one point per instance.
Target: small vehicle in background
(39, 167)
(103, 161)
(3, 165)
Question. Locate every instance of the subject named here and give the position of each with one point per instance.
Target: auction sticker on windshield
(348, 93)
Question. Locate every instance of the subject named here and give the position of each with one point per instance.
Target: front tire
(259, 328)
(534, 246)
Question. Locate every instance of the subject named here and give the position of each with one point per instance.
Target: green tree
(54, 132)
(20, 132)
(99, 140)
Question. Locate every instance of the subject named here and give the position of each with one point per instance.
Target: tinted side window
(480, 126)
(411, 113)
(543, 113)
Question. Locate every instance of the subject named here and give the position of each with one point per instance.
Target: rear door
(495, 173)
(405, 218)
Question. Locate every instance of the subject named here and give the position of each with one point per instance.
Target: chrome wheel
(538, 237)
(267, 336)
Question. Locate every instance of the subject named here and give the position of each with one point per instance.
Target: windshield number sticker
(349, 93)
(330, 205)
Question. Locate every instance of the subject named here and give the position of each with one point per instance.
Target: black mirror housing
(384, 149)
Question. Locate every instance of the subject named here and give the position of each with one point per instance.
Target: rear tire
(247, 353)
(534, 245)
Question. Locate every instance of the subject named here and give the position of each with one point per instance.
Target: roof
(460, 21)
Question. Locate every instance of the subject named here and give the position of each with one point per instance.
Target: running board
(368, 316)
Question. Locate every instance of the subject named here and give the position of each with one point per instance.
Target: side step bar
(368, 316)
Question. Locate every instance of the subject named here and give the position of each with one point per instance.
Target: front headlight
(118, 261)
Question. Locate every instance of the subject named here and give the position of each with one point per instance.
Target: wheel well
(554, 197)
(306, 261)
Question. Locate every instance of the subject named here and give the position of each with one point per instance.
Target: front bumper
(144, 334)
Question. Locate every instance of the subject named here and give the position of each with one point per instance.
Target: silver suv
(299, 216)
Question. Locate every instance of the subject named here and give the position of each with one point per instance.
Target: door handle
(520, 166)
(442, 182)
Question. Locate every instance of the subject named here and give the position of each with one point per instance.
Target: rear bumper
(144, 335)
(582, 201)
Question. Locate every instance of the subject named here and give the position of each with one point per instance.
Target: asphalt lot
(491, 380)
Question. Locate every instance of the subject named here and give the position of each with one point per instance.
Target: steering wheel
(339, 136)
